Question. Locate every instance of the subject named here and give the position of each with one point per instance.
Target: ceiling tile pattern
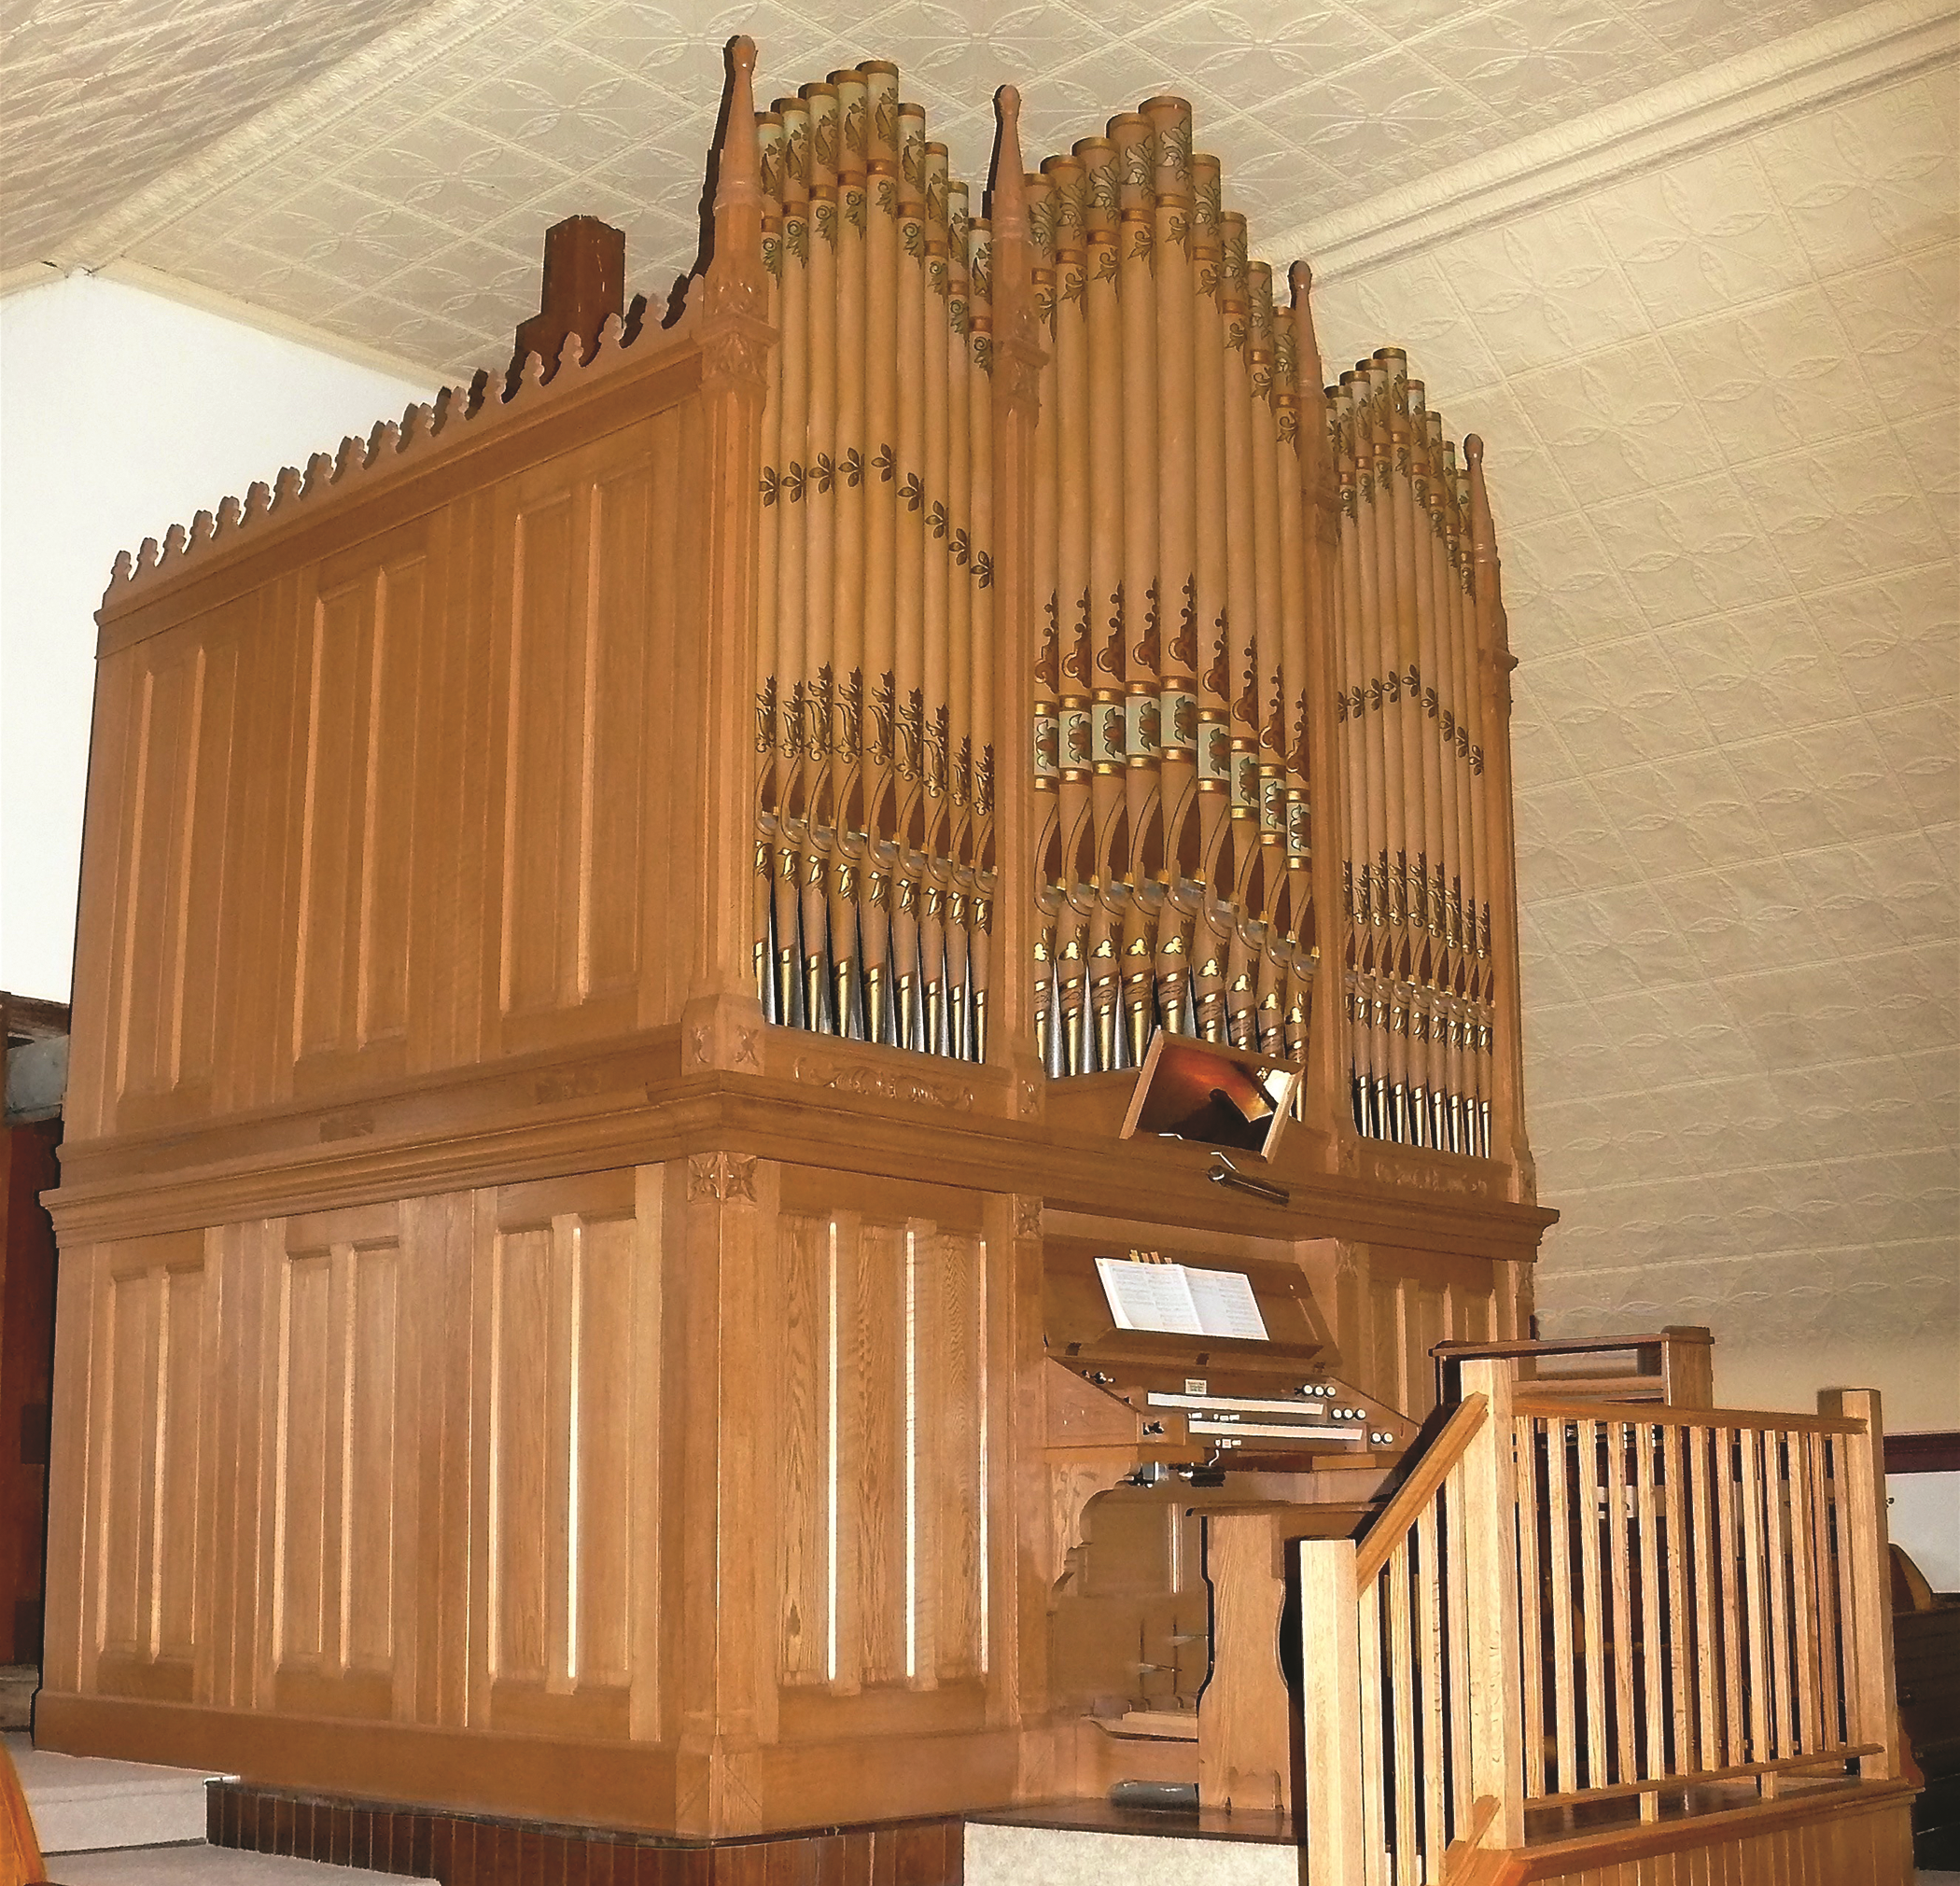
(412, 223)
(105, 96)
(1722, 402)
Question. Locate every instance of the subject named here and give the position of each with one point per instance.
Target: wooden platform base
(1848, 1834)
(481, 1849)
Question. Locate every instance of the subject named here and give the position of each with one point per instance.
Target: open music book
(1175, 1300)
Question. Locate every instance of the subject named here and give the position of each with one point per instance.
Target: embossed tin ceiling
(1702, 312)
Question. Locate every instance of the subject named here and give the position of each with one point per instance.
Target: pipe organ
(1182, 595)
(623, 919)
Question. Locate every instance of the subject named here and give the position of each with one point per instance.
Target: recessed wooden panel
(575, 731)
(363, 712)
(149, 1485)
(881, 1452)
(571, 1391)
(338, 1478)
(174, 873)
(951, 1394)
(803, 1417)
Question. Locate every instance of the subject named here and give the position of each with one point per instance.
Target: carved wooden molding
(882, 1084)
(1416, 1173)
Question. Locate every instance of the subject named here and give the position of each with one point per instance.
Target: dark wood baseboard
(483, 1850)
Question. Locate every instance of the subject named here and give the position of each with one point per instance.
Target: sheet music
(1172, 1299)
(1226, 1303)
(1149, 1296)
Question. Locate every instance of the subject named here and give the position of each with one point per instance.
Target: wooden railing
(1673, 1365)
(1575, 1601)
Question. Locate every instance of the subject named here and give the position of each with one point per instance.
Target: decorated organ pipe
(1256, 619)
(875, 711)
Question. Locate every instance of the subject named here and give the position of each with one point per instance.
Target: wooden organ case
(621, 916)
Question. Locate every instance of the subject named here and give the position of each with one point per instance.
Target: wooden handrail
(1578, 1345)
(1654, 1414)
(1420, 1488)
(1696, 1778)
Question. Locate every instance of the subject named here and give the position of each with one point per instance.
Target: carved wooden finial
(740, 162)
(734, 270)
(1308, 370)
(1483, 539)
(584, 283)
(1006, 194)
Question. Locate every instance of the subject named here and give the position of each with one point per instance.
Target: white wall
(121, 413)
(1925, 1517)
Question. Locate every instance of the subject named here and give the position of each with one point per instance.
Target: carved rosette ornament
(721, 1177)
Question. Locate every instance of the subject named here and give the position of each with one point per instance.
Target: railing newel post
(1862, 1530)
(1490, 1483)
(1330, 1664)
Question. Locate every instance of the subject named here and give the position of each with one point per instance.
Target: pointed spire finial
(734, 271)
(739, 170)
(1006, 203)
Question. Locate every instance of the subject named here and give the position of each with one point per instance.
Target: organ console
(608, 1200)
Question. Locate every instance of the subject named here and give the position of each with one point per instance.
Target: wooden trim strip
(1390, 1525)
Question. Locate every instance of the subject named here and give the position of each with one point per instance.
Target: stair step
(199, 1865)
(79, 1803)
